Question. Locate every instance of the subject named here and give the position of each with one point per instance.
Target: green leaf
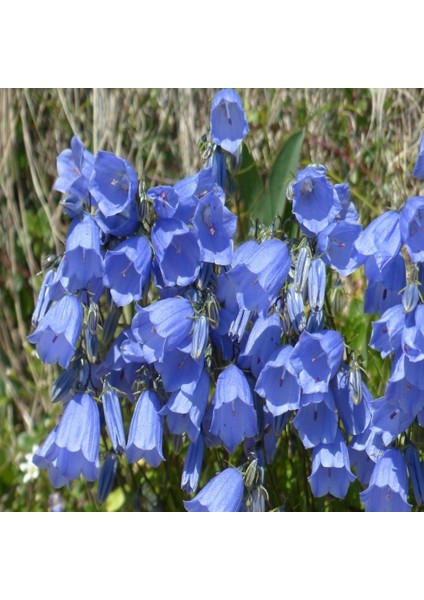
(248, 179)
(274, 202)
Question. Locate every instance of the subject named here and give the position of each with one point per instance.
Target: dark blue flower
(381, 239)
(127, 270)
(74, 447)
(120, 225)
(412, 227)
(315, 203)
(277, 383)
(223, 493)
(113, 184)
(388, 488)
(234, 415)
(57, 333)
(316, 359)
(193, 465)
(146, 431)
(177, 250)
(418, 171)
(163, 326)
(331, 472)
(82, 264)
(113, 418)
(258, 272)
(228, 122)
(355, 417)
(215, 227)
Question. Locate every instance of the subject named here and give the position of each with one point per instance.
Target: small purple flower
(384, 284)
(234, 416)
(178, 368)
(315, 202)
(388, 488)
(74, 448)
(223, 493)
(264, 339)
(120, 225)
(166, 201)
(331, 472)
(412, 227)
(57, 333)
(356, 418)
(146, 431)
(215, 226)
(418, 171)
(178, 253)
(163, 326)
(387, 331)
(316, 359)
(258, 272)
(228, 121)
(127, 270)
(82, 264)
(113, 184)
(277, 383)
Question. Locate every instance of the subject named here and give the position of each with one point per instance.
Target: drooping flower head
(223, 493)
(388, 488)
(146, 431)
(412, 227)
(228, 121)
(114, 183)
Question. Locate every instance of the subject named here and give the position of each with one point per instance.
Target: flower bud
(315, 321)
(238, 326)
(64, 385)
(301, 270)
(212, 310)
(316, 284)
(200, 337)
(296, 309)
(110, 325)
(410, 297)
(107, 476)
(355, 383)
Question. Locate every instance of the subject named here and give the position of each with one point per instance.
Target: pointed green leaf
(249, 180)
(273, 202)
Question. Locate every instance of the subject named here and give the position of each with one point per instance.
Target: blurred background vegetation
(368, 137)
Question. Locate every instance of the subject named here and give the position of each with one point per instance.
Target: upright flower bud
(301, 270)
(296, 309)
(316, 284)
(200, 337)
(410, 297)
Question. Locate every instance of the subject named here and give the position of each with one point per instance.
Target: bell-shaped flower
(223, 493)
(336, 244)
(74, 450)
(146, 431)
(387, 331)
(186, 407)
(258, 272)
(355, 417)
(416, 472)
(75, 166)
(381, 239)
(162, 326)
(412, 227)
(127, 270)
(316, 358)
(418, 171)
(331, 472)
(165, 200)
(228, 121)
(316, 423)
(82, 264)
(113, 184)
(264, 339)
(384, 284)
(178, 368)
(315, 203)
(57, 333)
(120, 225)
(177, 251)
(234, 415)
(278, 384)
(388, 488)
(215, 226)
(44, 298)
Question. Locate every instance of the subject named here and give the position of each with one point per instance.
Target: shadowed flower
(387, 491)
(331, 472)
(412, 227)
(113, 184)
(146, 431)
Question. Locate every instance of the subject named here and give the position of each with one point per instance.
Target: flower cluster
(152, 305)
